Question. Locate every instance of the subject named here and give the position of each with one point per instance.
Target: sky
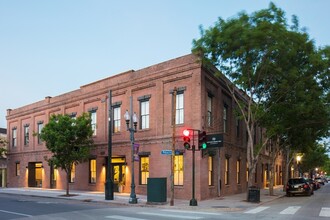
(48, 48)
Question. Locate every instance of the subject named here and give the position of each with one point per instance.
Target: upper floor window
(144, 111)
(26, 134)
(225, 118)
(116, 118)
(238, 124)
(40, 126)
(179, 108)
(94, 120)
(209, 110)
(14, 137)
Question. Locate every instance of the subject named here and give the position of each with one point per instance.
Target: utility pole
(173, 145)
(109, 183)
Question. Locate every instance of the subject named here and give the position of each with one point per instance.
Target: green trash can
(254, 194)
(156, 190)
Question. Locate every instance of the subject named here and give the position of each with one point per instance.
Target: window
(72, 177)
(247, 172)
(144, 170)
(225, 118)
(116, 119)
(179, 109)
(210, 166)
(18, 167)
(14, 138)
(26, 134)
(238, 171)
(40, 126)
(178, 170)
(227, 171)
(237, 128)
(92, 171)
(144, 105)
(209, 110)
(94, 120)
(256, 174)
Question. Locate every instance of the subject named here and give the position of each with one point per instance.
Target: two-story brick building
(202, 103)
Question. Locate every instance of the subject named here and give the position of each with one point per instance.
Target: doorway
(35, 174)
(118, 165)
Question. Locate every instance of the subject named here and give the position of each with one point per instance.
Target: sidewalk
(235, 202)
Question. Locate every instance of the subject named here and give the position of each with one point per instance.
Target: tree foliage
(69, 139)
(281, 75)
(3, 147)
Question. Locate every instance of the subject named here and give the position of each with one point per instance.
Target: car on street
(299, 186)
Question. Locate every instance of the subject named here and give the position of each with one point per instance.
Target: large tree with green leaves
(266, 59)
(3, 147)
(69, 139)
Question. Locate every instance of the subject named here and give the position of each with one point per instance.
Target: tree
(3, 147)
(270, 63)
(69, 139)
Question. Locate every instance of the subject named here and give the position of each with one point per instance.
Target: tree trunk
(67, 183)
(286, 168)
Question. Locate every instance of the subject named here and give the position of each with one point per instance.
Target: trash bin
(254, 194)
(156, 190)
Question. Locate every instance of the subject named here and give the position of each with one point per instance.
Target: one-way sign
(214, 140)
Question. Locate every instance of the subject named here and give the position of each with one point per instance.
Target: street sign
(214, 140)
(166, 152)
(169, 152)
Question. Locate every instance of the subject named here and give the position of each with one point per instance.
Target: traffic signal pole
(193, 201)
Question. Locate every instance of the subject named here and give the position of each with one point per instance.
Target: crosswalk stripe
(291, 210)
(190, 212)
(256, 210)
(120, 217)
(170, 216)
(325, 212)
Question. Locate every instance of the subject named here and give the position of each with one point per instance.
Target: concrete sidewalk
(226, 203)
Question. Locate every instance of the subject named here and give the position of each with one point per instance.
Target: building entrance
(35, 174)
(119, 173)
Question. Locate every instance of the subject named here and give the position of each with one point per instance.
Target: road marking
(291, 210)
(256, 210)
(16, 213)
(122, 217)
(191, 212)
(170, 216)
(325, 212)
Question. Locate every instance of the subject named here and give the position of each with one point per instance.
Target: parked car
(298, 186)
(315, 185)
(319, 180)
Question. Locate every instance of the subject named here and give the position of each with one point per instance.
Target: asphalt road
(316, 206)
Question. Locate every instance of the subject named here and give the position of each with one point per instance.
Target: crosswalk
(291, 210)
(166, 213)
(191, 214)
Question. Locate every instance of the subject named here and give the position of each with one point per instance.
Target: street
(29, 207)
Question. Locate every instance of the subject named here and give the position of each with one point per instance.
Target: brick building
(202, 102)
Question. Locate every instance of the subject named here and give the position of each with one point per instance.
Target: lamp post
(133, 119)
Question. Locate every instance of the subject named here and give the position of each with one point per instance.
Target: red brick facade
(156, 83)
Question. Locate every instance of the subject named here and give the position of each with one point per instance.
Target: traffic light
(202, 140)
(186, 139)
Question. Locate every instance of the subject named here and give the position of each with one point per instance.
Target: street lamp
(133, 119)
